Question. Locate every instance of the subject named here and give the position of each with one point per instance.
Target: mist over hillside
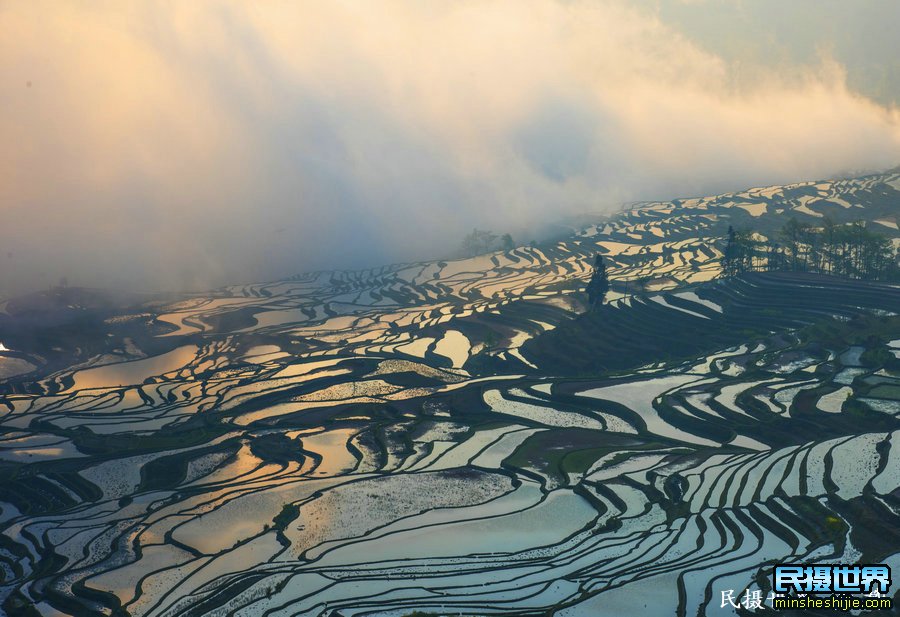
(157, 147)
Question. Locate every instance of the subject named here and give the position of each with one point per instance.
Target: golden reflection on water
(135, 372)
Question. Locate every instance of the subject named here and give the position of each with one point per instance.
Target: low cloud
(185, 145)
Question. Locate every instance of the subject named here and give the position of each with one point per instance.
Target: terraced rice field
(455, 438)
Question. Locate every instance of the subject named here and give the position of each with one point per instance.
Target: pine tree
(598, 286)
(728, 260)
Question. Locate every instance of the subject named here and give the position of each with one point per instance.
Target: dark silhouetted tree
(728, 258)
(850, 250)
(598, 286)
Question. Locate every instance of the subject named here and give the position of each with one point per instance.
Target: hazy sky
(172, 145)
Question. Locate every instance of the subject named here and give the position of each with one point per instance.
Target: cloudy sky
(184, 145)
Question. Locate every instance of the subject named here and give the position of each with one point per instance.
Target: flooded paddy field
(456, 437)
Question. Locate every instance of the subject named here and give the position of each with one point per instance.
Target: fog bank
(157, 145)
